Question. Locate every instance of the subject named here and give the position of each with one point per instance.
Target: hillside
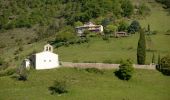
(83, 85)
(27, 25)
(18, 43)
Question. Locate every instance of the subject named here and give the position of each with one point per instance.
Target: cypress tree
(149, 28)
(159, 59)
(153, 58)
(141, 53)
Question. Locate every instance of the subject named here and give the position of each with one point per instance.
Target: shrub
(94, 70)
(23, 73)
(7, 72)
(1, 61)
(2, 46)
(58, 87)
(125, 71)
(165, 65)
(3, 64)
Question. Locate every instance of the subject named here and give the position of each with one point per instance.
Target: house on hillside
(43, 60)
(121, 34)
(89, 26)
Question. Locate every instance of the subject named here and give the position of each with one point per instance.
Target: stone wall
(104, 66)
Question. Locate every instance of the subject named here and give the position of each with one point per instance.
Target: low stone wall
(104, 66)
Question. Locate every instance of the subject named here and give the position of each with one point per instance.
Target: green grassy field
(158, 19)
(115, 49)
(82, 85)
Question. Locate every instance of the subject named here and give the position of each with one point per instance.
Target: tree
(141, 52)
(134, 27)
(105, 22)
(165, 65)
(125, 71)
(23, 73)
(143, 9)
(159, 59)
(110, 29)
(127, 8)
(78, 23)
(123, 26)
(153, 58)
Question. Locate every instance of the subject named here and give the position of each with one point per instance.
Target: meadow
(83, 85)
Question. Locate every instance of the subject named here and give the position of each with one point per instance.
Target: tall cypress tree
(153, 58)
(141, 52)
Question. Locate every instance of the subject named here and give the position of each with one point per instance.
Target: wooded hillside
(26, 13)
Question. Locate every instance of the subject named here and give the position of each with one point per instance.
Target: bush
(3, 64)
(23, 73)
(125, 71)
(59, 87)
(94, 70)
(7, 72)
(165, 65)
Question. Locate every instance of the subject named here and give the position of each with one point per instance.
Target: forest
(27, 13)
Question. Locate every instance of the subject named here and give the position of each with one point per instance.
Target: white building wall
(46, 60)
(101, 28)
(27, 63)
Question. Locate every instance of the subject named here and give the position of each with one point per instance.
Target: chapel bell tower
(48, 48)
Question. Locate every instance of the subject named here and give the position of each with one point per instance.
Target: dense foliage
(141, 49)
(165, 2)
(134, 27)
(165, 65)
(143, 9)
(26, 13)
(110, 29)
(125, 71)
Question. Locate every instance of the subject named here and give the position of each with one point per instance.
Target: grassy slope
(158, 20)
(114, 50)
(145, 85)
(125, 47)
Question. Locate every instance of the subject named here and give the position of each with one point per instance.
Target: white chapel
(45, 59)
